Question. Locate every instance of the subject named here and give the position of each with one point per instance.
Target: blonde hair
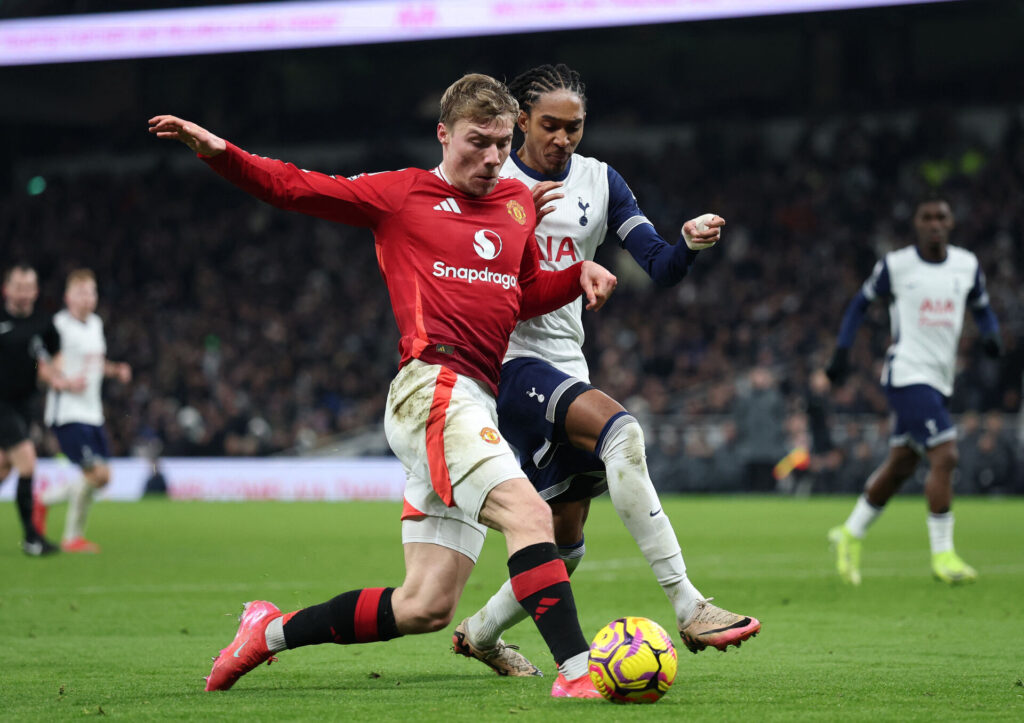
(477, 97)
(80, 275)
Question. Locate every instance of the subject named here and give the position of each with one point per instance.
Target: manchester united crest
(516, 211)
(490, 435)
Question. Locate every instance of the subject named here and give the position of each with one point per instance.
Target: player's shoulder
(589, 170)
(512, 185)
(960, 256)
(510, 190)
(589, 163)
(402, 177)
(40, 319)
(901, 258)
(903, 253)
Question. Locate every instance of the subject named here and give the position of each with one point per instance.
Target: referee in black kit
(28, 343)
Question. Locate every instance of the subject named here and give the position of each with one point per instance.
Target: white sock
(275, 635)
(78, 509)
(635, 499)
(576, 666)
(940, 532)
(503, 611)
(864, 513)
(500, 613)
(58, 493)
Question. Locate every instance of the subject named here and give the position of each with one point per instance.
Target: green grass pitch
(129, 633)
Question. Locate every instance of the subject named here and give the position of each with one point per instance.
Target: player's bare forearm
(122, 371)
(192, 135)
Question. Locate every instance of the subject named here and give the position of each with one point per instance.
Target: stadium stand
(256, 332)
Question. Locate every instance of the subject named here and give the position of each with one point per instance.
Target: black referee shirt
(23, 341)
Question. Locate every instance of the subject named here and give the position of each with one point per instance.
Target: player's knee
(24, 459)
(945, 458)
(533, 516)
(622, 436)
(99, 475)
(568, 519)
(902, 466)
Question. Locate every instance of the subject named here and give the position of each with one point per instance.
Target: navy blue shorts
(84, 444)
(920, 418)
(533, 398)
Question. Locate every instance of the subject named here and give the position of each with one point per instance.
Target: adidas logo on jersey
(448, 205)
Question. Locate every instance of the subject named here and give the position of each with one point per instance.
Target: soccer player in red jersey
(455, 246)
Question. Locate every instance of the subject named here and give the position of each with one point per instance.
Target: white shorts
(443, 427)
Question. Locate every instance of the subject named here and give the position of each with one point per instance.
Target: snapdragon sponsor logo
(485, 275)
(487, 245)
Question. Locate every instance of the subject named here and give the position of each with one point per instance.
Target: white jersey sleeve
(571, 233)
(83, 354)
(927, 302)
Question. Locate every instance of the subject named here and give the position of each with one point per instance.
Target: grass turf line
(129, 633)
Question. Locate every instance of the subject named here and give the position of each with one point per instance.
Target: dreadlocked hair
(530, 85)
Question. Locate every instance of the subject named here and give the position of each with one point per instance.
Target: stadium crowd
(256, 332)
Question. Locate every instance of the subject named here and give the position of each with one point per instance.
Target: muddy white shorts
(443, 427)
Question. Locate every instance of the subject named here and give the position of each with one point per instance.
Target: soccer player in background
(77, 417)
(455, 247)
(28, 342)
(575, 441)
(928, 287)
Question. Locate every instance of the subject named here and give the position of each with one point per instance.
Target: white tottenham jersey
(83, 351)
(566, 236)
(927, 302)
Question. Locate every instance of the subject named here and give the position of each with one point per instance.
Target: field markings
(164, 588)
(775, 567)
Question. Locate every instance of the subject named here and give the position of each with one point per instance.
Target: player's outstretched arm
(666, 264)
(192, 135)
(285, 185)
(598, 284)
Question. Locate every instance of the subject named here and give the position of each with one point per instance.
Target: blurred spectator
(988, 456)
(825, 456)
(760, 415)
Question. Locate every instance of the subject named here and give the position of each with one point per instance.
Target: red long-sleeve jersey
(460, 269)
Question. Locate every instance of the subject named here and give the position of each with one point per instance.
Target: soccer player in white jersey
(76, 417)
(928, 286)
(574, 441)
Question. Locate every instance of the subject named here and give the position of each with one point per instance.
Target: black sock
(541, 585)
(357, 616)
(23, 500)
